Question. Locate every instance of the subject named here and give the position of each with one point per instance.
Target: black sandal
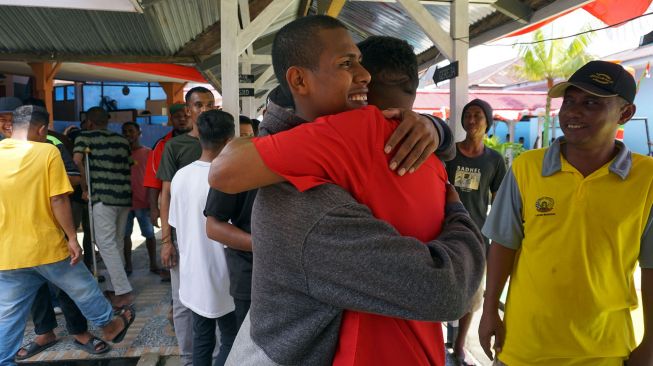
(92, 346)
(127, 323)
(33, 348)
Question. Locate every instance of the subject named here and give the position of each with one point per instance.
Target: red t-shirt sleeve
(153, 160)
(333, 149)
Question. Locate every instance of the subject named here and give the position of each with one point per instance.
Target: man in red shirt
(180, 125)
(347, 149)
(140, 205)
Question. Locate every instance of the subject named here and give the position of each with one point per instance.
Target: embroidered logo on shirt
(544, 204)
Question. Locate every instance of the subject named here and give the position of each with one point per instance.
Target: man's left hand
(75, 251)
(418, 137)
(641, 356)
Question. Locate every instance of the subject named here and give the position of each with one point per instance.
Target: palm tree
(550, 60)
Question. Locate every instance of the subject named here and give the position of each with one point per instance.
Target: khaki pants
(109, 224)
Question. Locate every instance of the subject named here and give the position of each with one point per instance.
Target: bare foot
(118, 301)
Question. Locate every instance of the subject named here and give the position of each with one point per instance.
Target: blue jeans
(19, 287)
(142, 215)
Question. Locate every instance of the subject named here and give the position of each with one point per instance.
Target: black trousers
(242, 307)
(80, 215)
(45, 319)
(204, 338)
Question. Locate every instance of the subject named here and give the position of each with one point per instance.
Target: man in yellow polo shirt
(34, 214)
(568, 225)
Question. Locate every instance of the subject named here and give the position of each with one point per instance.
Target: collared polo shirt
(578, 240)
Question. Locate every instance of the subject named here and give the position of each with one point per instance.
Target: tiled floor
(150, 332)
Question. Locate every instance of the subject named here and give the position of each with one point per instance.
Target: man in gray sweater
(319, 252)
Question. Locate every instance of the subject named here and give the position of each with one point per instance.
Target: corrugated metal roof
(369, 18)
(184, 29)
(364, 18)
(181, 21)
(160, 31)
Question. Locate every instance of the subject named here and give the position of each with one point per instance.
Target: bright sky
(605, 42)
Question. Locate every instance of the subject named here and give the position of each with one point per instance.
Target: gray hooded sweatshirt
(320, 251)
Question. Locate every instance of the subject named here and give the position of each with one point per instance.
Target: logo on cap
(601, 78)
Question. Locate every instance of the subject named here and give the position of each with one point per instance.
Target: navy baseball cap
(600, 78)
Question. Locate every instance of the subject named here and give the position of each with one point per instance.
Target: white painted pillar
(458, 93)
(247, 103)
(229, 57)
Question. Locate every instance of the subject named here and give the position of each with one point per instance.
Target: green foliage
(553, 59)
(492, 142)
(550, 60)
(505, 149)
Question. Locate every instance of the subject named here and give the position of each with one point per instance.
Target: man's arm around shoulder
(382, 272)
(239, 168)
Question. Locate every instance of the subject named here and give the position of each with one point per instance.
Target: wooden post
(174, 92)
(44, 73)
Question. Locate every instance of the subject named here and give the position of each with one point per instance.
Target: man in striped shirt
(109, 165)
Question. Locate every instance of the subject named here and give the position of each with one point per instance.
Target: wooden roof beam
(263, 79)
(304, 7)
(208, 41)
(440, 38)
(258, 25)
(68, 57)
(331, 8)
(256, 59)
(542, 14)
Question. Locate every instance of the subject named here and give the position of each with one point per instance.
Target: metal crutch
(87, 151)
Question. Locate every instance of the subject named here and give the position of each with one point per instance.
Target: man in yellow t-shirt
(34, 215)
(569, 225)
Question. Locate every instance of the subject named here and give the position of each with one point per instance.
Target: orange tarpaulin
(610, 12)
(613, 12)
(168, 70)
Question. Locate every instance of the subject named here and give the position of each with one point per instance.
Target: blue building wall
(522, 129)
(635, 133)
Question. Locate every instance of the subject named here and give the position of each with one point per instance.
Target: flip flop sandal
(92, 346)
(34, 348)
(127, 323)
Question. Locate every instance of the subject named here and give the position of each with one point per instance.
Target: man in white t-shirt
(204, 277)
